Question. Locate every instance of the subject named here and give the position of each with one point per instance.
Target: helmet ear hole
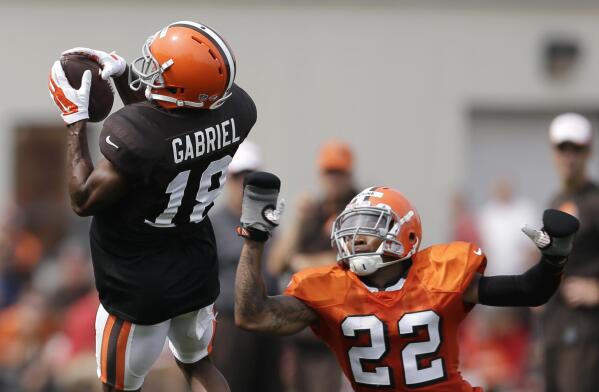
(412, 237)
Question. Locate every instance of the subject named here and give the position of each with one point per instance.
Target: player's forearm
(250, 292)
(533, 288)
(254, 310)
(79, 165)
(127, 95)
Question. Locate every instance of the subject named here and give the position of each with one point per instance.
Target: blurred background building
(435, 97)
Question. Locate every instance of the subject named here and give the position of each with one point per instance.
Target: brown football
(101, 96)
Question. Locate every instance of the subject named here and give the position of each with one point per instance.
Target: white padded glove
(72, 103)
(111, 63)
(261, 208)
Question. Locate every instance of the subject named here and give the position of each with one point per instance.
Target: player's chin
(343, 263)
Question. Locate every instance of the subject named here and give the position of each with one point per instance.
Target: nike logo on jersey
(478, 252)
(111, 142)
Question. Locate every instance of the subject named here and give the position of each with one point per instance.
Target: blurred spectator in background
(508, 251)
(47, 336)
(20, 253)
(307, 243)
(25, 328)
(66, 277)
(496, 342)
(241, 356)
(67, 280)
(571, 318)
(495, 349)
(464, 226)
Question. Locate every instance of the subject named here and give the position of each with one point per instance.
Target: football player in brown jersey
(389, 311)
(165, 159)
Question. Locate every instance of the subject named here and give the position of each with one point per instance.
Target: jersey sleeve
(451, 267)
(120, 144)
(318, 287)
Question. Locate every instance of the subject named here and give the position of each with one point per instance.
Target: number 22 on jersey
(375, 354)
(204, 197)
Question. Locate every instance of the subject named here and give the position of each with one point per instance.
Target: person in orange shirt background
(306, 243)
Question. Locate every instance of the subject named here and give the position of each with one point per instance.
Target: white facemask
(368, 264)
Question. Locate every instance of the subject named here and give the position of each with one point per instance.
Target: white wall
(396, 80)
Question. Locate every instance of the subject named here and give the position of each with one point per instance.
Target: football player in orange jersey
(388, 311)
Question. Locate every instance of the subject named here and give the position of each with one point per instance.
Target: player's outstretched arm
(536, 286)
(254, 310)
(90, 189)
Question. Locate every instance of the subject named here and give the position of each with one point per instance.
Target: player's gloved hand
(260, 211)
(111, 63)
(556, 238)
(72, 103)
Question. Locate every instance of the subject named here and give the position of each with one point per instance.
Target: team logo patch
(271, 215)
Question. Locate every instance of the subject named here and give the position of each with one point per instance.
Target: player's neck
(387, 276)
(575, 183)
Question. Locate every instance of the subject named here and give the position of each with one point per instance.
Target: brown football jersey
(153, 251)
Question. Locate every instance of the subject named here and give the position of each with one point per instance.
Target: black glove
(556, 238)
(260, 212)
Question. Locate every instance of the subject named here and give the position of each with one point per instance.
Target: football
(101, 93)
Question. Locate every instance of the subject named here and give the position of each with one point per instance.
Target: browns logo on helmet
(377, 212)
(186, 64)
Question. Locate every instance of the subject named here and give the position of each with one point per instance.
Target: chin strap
(368, 264)
(180, 103)
(365, 265)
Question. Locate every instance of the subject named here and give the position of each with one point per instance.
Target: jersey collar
(394, 287)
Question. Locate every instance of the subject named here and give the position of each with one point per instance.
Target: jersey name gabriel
(402, 338)
(205, 141)
(176, 161)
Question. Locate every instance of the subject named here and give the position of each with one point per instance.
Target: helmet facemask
(380, 222)
(146, 70)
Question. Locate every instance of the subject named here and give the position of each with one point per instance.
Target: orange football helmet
(377, 212)
(186, 64)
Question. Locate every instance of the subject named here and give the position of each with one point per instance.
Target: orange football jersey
(403, 339)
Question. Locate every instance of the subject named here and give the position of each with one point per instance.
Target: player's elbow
(250, 319)
(540, 298)
(80, 203)
(247, 323)
(80, 210)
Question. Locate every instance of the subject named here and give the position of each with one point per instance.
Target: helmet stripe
(367, 193)
(218, 42)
